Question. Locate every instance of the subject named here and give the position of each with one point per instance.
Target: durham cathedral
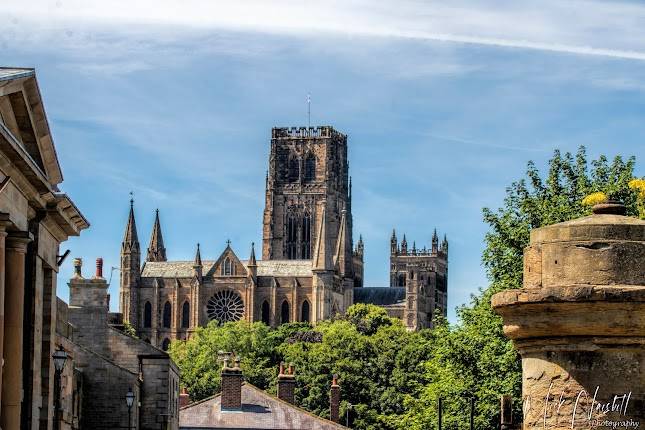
(309, 270)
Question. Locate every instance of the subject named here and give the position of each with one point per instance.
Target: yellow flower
(638, 185)
(594, 199)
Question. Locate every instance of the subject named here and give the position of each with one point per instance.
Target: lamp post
(60, 357)
(349, 406)
(129, 400)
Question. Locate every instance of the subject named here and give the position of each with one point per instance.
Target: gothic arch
(185, 315)
(304, 312)
(228, 268)
(147, 315)
(266, 313)
(284, 312)
(167, 315)
(293, 174)
(310, 167)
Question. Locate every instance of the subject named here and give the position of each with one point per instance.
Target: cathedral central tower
(307, 180)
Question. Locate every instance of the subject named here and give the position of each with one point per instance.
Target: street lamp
(129, 400)
(60, 357)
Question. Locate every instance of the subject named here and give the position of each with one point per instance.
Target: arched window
(294, 169)
(167, 315)
(227, 267)
(402, 280)
(306, 237)
(310, 168)
(147, 315)
(284, 314)
(266, 313)
(304, 314)
(165, 344)
(292, 237)
(185, 315)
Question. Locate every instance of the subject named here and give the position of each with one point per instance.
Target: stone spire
(252, 261)
(404, 246)
(444, 244)
(156, 249)
(197, 264)
(198, 257)
(130, 238)
(394, 246)
(435, 241)
(322, 257)
(130, 271)
(360, 247)
(252, 264)
(343, 255)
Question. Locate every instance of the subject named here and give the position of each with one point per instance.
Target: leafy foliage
(391, 377)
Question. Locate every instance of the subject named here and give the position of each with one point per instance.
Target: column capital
(5, 221)
(18, 240)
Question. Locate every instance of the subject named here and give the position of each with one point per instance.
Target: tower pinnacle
(156, 249)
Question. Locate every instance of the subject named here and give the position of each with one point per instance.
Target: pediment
(23, 115)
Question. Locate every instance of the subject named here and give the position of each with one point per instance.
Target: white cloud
(607, 29)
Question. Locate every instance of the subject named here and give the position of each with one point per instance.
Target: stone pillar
(12, 390)
(4, 221)
(579, 323)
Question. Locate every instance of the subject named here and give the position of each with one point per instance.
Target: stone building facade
(104, 363)
(35, 218)
(310, 269)
(418, 283)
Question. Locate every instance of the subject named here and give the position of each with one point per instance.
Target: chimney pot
(78, 264)
(99, 267)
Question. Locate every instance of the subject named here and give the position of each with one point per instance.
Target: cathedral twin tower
(309, 268)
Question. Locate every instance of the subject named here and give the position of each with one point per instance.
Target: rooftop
(184, 269)
(379, 295)
(8, 73)
(259, 411)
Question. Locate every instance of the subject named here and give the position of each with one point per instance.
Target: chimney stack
(287, 384)
(184, 398)
(99, 268)
(231, 386)
(334, 400)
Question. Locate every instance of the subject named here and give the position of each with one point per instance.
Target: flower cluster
(638, 185)
(594, 199)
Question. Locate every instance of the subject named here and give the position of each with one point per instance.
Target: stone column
(12, 391)
(4, 221)
(579, 323)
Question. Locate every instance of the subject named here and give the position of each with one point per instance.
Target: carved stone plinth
(579, 324)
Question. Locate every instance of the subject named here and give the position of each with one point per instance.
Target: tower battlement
(324, 131)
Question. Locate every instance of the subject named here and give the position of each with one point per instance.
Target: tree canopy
(392, 377)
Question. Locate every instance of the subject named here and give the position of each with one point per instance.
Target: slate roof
(381, 296)
(259, 411)
(184, 269)
(8, 73)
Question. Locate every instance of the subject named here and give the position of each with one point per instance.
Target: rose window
(225, 306)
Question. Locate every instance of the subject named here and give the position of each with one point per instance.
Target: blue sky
(443, 105)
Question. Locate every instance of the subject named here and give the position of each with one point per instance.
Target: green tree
(473, 357)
